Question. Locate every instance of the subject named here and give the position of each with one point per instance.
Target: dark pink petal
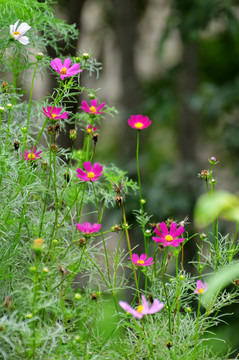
(56, 64)
(173, 227)
(87, 166)
(80, 227)
(163, 228)
(135, 258)
(143, 257)
(157, 239)
(95, 227)
(93, 103)
(179, 231)
(81, 172)
(158, 232)
(100, 106)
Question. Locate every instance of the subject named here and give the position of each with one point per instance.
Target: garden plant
(59, 275)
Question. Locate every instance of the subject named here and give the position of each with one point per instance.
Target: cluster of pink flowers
(92, 173)
(87, 229)
(143, 309)
(169, 237)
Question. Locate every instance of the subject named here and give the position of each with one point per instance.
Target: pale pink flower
(65, 69)
(142, 309)
(17, 32)
(169, 237)
(201, 287)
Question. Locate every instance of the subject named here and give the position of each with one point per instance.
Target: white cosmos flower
(17, 32)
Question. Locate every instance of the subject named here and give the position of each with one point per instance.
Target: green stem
(5, 49)
(197, 325)
(8, 128)
(165, 289)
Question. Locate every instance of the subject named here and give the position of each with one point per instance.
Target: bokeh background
(178, 63)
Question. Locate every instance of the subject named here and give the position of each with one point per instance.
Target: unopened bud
(2, 109)
(54, 148)
(29, 316)
(188, 309)
(45, 269)
(169, 344)
(7, 303)
(181, 277)
(57, 127)
(78, 296)
(38, 244)
(72, 134)
(24, 130)
(91, 96)
(236, 282)
(44, 165)
(78, 59)
(50, 130)
(55, 241)
(39, 56)
(143, 201)
(95, 138)
(9, 106)
(86, 56)
(82, 242)
(94, 296)
(116, 228)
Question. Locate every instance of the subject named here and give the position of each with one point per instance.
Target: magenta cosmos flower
(142, 260)
(18, 32)
(92, 109)
(169, 237)
(91, 173)
(65, 70)
(88, 229)
(90, 129)
(142, 309)
(201, 287)
(33, 155)
(53, 113)
(139, 122)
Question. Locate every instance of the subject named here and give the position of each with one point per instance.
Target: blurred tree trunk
(125, 26)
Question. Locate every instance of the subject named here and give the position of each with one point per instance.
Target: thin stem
(165, 289)
(197, 324)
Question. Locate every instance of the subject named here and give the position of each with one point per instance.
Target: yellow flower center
(90, 174)
(140, 262)
(53, 115)
(93, 109)
(63, 71)
(168, 238)
(89, 130)
(200, 291)
(138, 125)
(140, 308)
(16, 33)
(31, 156)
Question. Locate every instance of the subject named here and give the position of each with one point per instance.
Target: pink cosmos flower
(201, 287)
(65, 70)
(143, 309)
(31, 156)
(92, 109)
(18, 32)
(53, 113)
(92, 173)
(169, 237)
(139, 122)
(88, 229)
(91, 129)
(141, 261)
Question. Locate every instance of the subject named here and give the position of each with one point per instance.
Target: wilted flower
(87, 229)
(201, 287)
(53, 113)
(65, 70)
(31, 156)
(92, 173)
(92, 109)
(143, 309)
(90, 129)
(142, 260)
(139, 122)
(169, 237)
(18, 32)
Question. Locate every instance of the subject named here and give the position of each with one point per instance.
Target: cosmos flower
(53, 113)
(201, 287)
(65, 70)
(90, 129)
(91, 173)
(92, 109)
(139, 122)
(142, 260)
(32, 155)
(87, 229)
(169, 237)
(18, 32)
(142, 309)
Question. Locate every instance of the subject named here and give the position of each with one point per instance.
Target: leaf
(211, 206)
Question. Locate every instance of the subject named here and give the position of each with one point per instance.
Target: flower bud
(213, 160)
(86, 56)
(2, 109)
(78, 296)
(115, 228)
(54, 148)
(38, 244)
(181, 277)
(188, 309)
(44, 165)
(54, 241)
(39, 56)
(29, 316)
(33, 268)
(82, 242)
(45, 269)
(78, 59)
(57, 127)
(24, 130)
(72, 134)
(143, 201)
(77, 338)
(50, 130)
(95, 138)
(91, 96)
(94, 296)
(9, 106)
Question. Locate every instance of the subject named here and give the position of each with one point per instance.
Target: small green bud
(143, 201)
(39, 56)
(29, 316)
(44, 165)
(72, 134)
(77, 338)
(2, 109)
(78, 296)
(91, 96)
(9, 106)
(54, 241)
(188, 309)
(86, 56)
(33, 268)
(24, 130)
(181, 277)
(78, 59)
(45, 269)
